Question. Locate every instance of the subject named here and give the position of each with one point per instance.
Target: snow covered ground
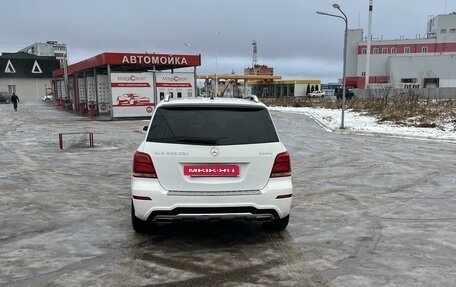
(355, 122)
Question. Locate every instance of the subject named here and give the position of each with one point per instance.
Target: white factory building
(424, 62)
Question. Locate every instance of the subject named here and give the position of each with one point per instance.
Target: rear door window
(212, 126)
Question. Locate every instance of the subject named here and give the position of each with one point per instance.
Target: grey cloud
(291, 36)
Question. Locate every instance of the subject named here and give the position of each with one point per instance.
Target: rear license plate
(211, 170)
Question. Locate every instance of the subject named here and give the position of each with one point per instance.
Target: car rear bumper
(213, 214)
(153, 203)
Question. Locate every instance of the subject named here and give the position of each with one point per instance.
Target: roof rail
(252, 98)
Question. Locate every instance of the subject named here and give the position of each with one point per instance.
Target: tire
(277, 224)
(140, 226)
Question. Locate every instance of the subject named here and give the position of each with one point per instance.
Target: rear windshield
(212, 126)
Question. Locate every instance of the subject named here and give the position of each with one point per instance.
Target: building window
(407, 50)
(394, 50)
(424, 49)
(453, 30)
(375, 51)
(363, 74)
(364, 51)
(384, 50)
(443, 31)
(409, 83)
(59, 48)
(431, 82)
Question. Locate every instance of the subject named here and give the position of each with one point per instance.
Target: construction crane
(255, 55)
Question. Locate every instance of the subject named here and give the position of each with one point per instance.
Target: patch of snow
(357, 122)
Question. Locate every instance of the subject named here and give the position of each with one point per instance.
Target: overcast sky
(291, 37)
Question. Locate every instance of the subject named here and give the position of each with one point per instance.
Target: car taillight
(143, 166)
(282, 165)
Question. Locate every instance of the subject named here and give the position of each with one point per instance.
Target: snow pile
(330, 119)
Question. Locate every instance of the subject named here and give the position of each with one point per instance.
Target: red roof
(133, 62)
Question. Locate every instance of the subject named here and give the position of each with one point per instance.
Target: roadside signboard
(132, 94)
(179, 85)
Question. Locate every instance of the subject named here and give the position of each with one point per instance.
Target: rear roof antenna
(252, 98)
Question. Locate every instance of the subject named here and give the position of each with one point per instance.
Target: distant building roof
(133, 62)
(24, 55)
(24, 65)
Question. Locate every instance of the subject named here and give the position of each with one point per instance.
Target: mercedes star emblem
(215, 151)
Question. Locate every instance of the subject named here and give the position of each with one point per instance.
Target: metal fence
(421, 93)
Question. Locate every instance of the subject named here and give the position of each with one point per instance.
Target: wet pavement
(367, 211)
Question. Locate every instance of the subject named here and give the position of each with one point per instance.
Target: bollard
(82, 108)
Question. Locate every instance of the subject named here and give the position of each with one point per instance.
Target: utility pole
(344, 76)
(369, 38)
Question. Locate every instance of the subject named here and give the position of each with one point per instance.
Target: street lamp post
(344, 17)
(216, 63)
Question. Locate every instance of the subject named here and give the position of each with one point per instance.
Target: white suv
(211, 159)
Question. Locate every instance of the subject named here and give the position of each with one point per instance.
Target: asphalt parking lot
(367, 211)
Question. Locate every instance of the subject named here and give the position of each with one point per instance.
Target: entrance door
(11, 89)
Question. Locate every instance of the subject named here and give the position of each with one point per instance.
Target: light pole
(216, 63)
(195, 82)
(344, 17)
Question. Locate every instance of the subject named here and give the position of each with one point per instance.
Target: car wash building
(124, 85)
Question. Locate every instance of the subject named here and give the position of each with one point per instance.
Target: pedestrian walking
(14, 100)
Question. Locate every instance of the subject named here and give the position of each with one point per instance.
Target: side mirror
(144, 129)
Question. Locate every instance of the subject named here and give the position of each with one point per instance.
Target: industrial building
(49, 49)
(423, 62)
(259, 70)
(29, 76)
